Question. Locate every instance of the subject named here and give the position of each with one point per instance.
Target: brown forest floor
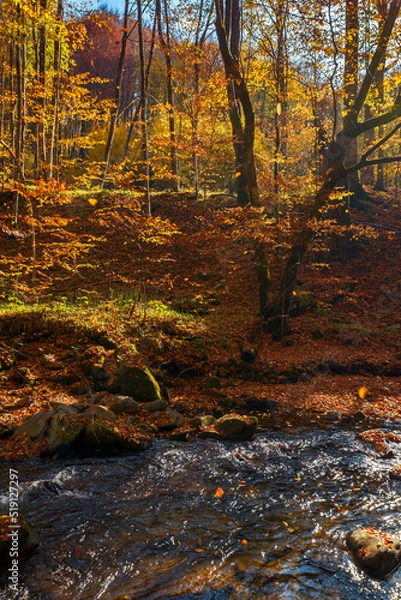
(195, 260)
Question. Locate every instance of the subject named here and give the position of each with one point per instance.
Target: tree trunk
(166, 49)
(243, 124)
(117, 94)
(143, 111)
(278, 315)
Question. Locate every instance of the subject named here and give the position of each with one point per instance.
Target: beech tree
(339, 169)
(228, 28)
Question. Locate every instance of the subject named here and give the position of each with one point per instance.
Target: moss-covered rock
(138, 383)
(231, 427)
(63, 435)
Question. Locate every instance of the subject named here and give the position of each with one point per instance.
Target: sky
(114, 4)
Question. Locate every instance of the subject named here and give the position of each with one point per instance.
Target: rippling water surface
(151, 526)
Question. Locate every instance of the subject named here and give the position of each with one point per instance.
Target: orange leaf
(219, 492)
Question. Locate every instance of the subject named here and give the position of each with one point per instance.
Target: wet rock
(54, 487)
(138, 383)
(395, 473)
(100, 412)
(63, 436)
(155, 406)
(374, 551)
(15, 533)
(99, 439)
(202, 421)
(124, 404)
(182, 434)
(231, 427)
(35, 427)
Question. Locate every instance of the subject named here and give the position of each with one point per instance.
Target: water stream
(208, 520)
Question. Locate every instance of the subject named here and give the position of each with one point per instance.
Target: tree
(338, 169)
(228, 28)
(165, 44)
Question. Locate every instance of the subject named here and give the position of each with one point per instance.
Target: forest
(200, 255)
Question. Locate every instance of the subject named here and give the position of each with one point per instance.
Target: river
(208, 520)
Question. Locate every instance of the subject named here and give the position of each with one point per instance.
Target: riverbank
(179, 295)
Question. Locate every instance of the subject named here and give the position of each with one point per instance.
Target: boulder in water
(374, 551)
(231, 427)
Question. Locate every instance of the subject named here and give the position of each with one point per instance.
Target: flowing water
(208, 520)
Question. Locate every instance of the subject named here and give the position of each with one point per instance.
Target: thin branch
(380, 142)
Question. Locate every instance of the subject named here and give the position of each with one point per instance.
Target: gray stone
(155, 405)
(374, 551)
(100, 412)
(174, 420)
(124, 404)
(138, 383)
(64, 409)
(35, 427)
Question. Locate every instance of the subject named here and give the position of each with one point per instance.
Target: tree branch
(377, 58)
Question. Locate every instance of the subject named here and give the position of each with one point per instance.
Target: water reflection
(151, 527)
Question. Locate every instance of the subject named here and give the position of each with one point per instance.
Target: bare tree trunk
(240, 105)
(117, 94)
(54, 139)
(166, 49)
(380, 184)
(137, 109)
(144, 111)
(280, 71)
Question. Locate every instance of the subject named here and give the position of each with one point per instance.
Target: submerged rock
(374, 551)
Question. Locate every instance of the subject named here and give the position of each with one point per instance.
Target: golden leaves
(363, 392)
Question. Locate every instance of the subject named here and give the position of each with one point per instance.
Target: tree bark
(166, 49)
(228, 34)
(117, 94)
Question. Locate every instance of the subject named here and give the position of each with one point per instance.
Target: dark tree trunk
(337, 171)
(240, 106)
